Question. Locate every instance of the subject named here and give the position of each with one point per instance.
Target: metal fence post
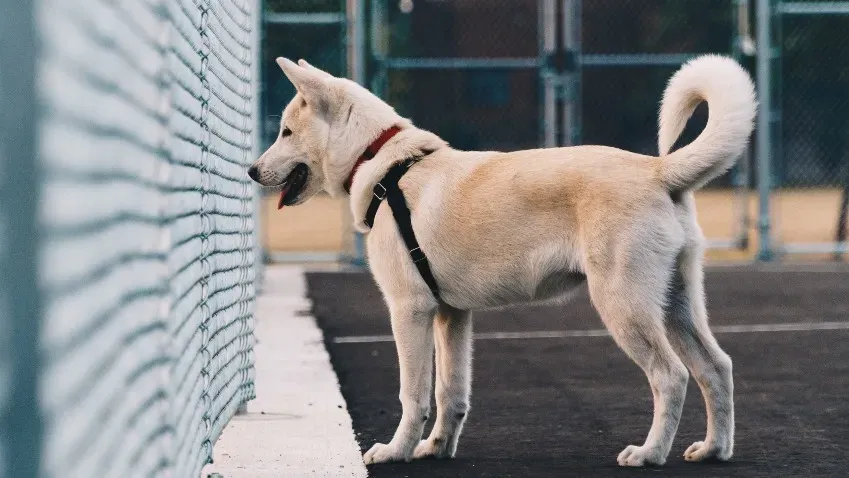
(21, 426)
(572, 76)
(547, 20)
(356, 16)
(741, 47)
(257, 146)
(379, 48)
(764, 128)
(257, 35)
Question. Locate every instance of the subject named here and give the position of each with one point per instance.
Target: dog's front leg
(412, 326)
(453, 336)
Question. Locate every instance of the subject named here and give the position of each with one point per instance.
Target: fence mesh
(815, 100)
(512, 75)
(314, 30)
(484, 82)
(632, 49)
(810, 166)
(476, 82)
(309, 29)
(146, 248)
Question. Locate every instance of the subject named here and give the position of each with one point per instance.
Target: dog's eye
(285, 132)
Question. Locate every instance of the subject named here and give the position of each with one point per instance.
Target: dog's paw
(634, 455)
(701, 451)
(432, 448)
(381, 453)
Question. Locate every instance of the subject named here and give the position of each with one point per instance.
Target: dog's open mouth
(293, 185)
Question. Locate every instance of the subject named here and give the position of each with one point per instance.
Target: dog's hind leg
(628, 293)
(412, 324)
(690, 336)
(452, 332)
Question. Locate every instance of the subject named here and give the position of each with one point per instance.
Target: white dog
(500, 228)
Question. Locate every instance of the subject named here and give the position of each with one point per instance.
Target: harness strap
(388, 189)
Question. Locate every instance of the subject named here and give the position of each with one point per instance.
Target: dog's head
(323, 130)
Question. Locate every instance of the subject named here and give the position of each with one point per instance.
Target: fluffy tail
(730, 95)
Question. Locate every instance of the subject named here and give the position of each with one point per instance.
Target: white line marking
(563, 334)
(789, 327)
(799, 267)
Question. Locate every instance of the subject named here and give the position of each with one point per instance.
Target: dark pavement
(568, 406)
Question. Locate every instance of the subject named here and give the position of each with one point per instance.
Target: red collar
(371, 152)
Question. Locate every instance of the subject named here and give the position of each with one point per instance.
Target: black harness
(387, 188)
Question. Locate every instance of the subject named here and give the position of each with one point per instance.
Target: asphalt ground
(567, 405)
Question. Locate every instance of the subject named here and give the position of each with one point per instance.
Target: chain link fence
(627, 53)
(478, 81)
(511, 75)
(468, 71)
(316, 30)
(810, 165)
(530, 73)
(128, 232)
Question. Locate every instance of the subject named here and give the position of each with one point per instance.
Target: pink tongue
(282, 195)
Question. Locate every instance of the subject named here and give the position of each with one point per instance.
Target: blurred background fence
(318, 30)
(810, 113)
(497, 74)
(127, 233)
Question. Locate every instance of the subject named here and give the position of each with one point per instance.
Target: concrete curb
(299, 424)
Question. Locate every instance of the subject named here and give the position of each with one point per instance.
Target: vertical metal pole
(572, 79)
(379, 79)
(842, 219)
(356, 17)
(21, 425)
(257, 137)
(379, 48)
(257, 36)
(764, 128)
(776, 172)
(356, 40)
(742, 169)
(547, 46)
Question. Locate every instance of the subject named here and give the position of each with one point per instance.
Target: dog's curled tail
(730, 95)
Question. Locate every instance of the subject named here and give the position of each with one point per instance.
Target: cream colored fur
(503, 228)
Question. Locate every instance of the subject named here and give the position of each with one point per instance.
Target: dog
(501, 228)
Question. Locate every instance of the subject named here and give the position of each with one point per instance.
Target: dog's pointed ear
(303, 63)
(306, 80)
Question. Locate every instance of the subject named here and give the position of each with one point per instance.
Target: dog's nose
(253, 172)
